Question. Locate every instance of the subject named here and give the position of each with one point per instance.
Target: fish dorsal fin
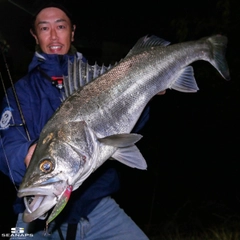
(81, 73)
(185, 82)
(146, 42)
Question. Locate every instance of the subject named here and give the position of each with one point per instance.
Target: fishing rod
(3, 48)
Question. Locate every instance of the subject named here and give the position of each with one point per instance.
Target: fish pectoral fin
(185, 82)
(121, 140)
(130, 156)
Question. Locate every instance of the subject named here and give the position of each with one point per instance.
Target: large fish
(93, 124)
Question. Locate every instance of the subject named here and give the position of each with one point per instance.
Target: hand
(29, 154)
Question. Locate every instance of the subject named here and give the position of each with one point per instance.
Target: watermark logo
(17, 230)
(17, 233)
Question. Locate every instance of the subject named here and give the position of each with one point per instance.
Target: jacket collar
(52, 64)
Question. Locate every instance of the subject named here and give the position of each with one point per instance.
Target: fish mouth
(39, 200)
(37, 206)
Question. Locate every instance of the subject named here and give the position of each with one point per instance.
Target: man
(90, 213)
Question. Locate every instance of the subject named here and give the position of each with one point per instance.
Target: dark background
(191, 142)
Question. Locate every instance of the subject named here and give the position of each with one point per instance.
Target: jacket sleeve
(14, 143)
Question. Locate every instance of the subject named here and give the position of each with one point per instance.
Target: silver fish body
(94, 123)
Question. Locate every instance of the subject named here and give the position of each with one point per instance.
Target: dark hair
(47, 5)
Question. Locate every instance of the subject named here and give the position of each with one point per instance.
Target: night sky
(191, 142)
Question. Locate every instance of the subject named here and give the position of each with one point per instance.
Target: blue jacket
(39, 99)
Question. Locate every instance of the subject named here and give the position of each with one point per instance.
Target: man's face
(53, 31)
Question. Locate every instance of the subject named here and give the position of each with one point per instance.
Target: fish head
(63, 157)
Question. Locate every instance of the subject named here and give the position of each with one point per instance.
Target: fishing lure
(59, 207)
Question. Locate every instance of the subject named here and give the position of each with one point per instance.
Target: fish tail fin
(218, 60)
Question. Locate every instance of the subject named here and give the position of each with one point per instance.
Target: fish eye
(46, 166)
